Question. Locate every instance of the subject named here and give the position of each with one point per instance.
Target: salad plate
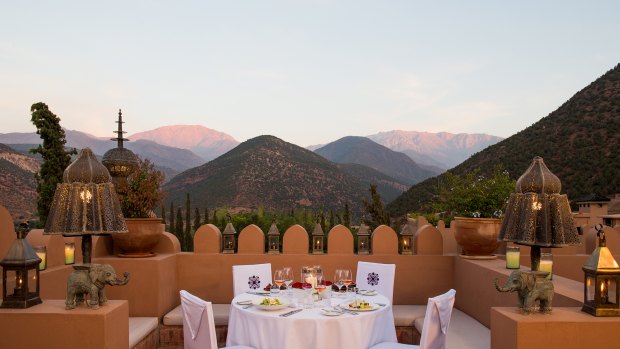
(269, 303)
(359, 305)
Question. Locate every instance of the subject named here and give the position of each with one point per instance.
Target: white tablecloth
(309, 328)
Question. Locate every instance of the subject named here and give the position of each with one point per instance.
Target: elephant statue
(91, 279)
(530, 287)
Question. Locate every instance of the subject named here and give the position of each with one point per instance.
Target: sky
(306, 71)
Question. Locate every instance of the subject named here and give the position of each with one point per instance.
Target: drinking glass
(307, 286)
(339, 279)
(320, 286)
(288, 279)
(278, 279)
(347, 278)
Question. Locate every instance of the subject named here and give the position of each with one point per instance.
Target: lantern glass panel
(363, 242)
(274, 242)
(607, 288)
(318, 243)
(590, 293)
(229, 242)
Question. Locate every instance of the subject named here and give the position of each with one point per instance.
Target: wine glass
(319, 286)
(288, 279)
(338, 279)
(347, 278)
(307, 285)
(278, 279)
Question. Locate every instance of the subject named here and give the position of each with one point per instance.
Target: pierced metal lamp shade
(86, 203)
(537, 214)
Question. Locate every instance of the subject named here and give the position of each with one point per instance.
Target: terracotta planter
(143, 236)
(477, 236)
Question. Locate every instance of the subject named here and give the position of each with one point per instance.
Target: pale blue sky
(308, 72)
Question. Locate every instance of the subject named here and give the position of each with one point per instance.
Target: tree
(143, 191)
(178, 230)
(375, 209)
(162, 208)
(346, 216)
(55, 157)
(206, 216)
(196, 219)
(188, 215)
(172, 226)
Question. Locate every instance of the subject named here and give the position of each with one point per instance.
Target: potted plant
(476, 203)
(138, 199)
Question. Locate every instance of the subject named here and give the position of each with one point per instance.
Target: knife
(291, 312)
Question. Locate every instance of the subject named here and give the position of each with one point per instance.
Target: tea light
(41, 252)
(69, 253)
(513, 256)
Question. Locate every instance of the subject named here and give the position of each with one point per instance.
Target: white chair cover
(436, 323)
(376, 276)
(198, 324)
(437, 320)
(251, 277)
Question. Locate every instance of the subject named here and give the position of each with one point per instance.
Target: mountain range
(579, 142)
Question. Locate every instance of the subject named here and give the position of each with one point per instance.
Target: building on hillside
(591, 208)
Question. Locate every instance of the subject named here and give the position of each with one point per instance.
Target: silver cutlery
(291, 312)
(246, 306)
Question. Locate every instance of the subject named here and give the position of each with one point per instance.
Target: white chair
(436, 323)
(198, 323)
(376, 276)
(251, 277)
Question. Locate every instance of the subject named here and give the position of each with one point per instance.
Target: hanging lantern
(602, 277)
(20, 270)
(406, 239)
(318, 239)
(228, 238)
(273, 239)
(363, 239)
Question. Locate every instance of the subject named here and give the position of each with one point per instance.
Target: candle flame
(86, 195)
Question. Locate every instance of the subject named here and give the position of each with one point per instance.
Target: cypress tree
(196, 219)
(331, 219)
(172, 226)
(206, 216)
(162, 210)
(55, 157)
(178, 231)
(188, 218)
(375, 209)
(214, 220)
(346, 216)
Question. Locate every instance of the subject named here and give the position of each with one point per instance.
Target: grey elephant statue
(531, 286)
(90, 280)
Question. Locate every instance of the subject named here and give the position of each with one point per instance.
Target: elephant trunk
(502, 289)
(121, 282)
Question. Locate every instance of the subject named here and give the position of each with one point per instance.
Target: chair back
(250, 277)
(376, 276)
(437, 321)
(198, 322)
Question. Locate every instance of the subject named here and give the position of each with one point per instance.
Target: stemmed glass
(307, 286)
(278, 279)
(288, 279)
(339, 279)
(347, 278)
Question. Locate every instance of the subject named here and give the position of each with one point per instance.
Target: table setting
(310, 317)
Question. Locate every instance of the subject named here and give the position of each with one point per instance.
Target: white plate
(257, 303)
(345, 305)
(330, 312)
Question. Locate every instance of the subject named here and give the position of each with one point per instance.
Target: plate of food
(270, 303)
(359, 305)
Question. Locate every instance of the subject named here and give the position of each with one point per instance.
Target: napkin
(299, 284)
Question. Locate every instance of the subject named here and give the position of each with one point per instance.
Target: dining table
(325, 324)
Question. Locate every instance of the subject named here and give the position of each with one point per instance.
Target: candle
(513, 256)
(69, 253)
(405, 245)
(317, 244)
(546, 263)
(41, 252)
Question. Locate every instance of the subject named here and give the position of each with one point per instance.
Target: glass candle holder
(513, 257)
(546, 263)
(69, 253)
(41, 252)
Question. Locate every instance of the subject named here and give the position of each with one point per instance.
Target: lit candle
(513, 256)
(604, 294)
(41, 252)
(317, 244)
(546, 263)
(69, 253)
(405, 247)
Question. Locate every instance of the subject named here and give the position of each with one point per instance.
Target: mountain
(387, 187)
(268, 171)
(444, 150)
(204, 142)
(17, 184)
(579, 141)
(363, 151)
(168, 159)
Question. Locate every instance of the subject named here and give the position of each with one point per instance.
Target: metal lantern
(120, 161)
(406, 239)
(20, 270)
(602, 278)
(318, 239)
(273, 239)
(228, 238)
(537, 215)
(363, 239)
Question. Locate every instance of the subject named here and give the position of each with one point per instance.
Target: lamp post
(20, 267)
(602, 278)
(273, 239)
